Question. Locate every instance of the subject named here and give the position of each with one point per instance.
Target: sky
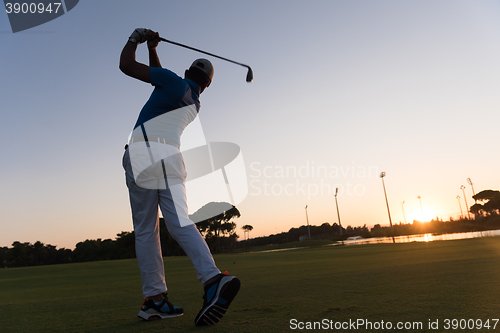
(342, 91)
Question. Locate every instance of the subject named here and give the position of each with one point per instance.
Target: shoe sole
(222, 299)
(155, 315)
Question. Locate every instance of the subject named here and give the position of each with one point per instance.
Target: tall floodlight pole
(382, 175)
(472, 185)
(403, 208)
(421, 208)
(338, 213)
(465, 198)
(307, 219)
(460, 205)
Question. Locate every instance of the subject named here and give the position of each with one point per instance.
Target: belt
(150, 139)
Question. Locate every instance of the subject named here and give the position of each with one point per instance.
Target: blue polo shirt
(171, 93)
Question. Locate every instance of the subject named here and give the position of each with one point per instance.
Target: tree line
(486, 211)
(220, 234)
(218, 231)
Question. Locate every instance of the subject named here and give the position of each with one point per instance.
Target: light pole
(472, 185)
(307, 219)
(403, 208)
(338, 214)
(421, 208)
(466, 205)
(460, 205)
(382, 175)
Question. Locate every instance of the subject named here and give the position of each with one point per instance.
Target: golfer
(155, 177)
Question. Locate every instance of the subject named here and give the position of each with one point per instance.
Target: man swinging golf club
(155, 177)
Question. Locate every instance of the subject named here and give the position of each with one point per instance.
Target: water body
(423, 237)
(402, 239)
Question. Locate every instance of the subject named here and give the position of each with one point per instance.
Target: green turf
(287, 245)
(390, 282)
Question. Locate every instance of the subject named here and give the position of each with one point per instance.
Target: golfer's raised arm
(153, 39)
(128, 64)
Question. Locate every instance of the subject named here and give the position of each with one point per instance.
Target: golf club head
(249, 75)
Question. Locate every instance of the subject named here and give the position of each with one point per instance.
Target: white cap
(205, 66)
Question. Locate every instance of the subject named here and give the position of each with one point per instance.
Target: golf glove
(138, 36)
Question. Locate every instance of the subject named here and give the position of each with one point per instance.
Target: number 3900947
(31, 8)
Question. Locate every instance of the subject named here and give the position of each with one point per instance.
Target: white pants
(172, 202)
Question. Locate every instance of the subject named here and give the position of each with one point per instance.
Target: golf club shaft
(210, 54)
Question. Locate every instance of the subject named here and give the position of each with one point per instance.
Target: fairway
(414, 282)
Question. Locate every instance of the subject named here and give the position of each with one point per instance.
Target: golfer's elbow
(125, 67)
(128, 70)
(136, 70)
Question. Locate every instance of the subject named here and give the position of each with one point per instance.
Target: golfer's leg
(144, 204)
(174, 208)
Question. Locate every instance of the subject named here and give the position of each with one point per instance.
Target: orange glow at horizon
(416, 215)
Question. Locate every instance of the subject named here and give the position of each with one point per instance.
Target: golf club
(249, 74)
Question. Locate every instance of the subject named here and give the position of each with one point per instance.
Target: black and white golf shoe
(218, 296)
(151, 311)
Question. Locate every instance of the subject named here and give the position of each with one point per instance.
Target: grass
(287, 245)
(391, 282)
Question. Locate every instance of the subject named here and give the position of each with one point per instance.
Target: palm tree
(247, 228)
